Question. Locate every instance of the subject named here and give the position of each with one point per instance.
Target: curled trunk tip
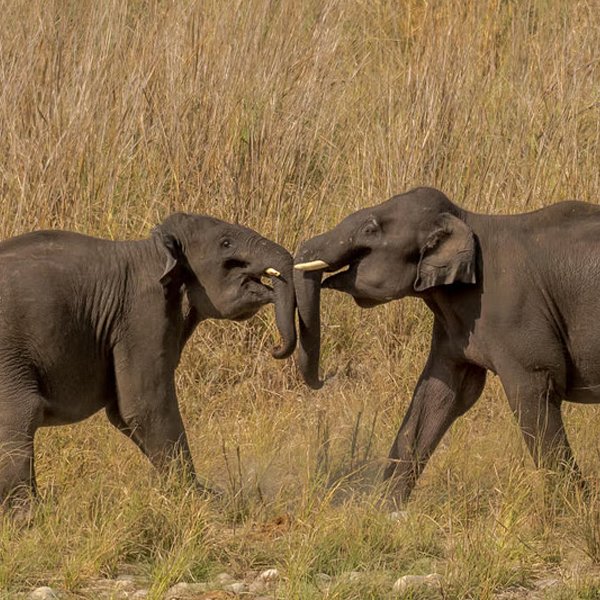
(280, 351)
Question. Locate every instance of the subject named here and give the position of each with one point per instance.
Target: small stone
(183, 591)
(43, 593)
(125, 583)
(269, 575)
(544, 584)
(323, 582)
(398, 515)
(224, 579)
(257, 587)
(413, 581)
(238, 587)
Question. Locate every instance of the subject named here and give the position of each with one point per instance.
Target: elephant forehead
(240, 233)
(257, 243)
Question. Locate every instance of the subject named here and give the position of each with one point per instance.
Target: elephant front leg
(159, 434)
(147, 412)
(444, 392)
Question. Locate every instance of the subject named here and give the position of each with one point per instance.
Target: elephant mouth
(252, 295)
(367, 302)
(244, 316)
(255, 282)
(345, 281)
(256, 291)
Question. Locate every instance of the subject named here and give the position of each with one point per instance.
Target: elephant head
(408, 245)
(221, 267)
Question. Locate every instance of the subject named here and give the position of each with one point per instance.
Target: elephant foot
(209, 491)
(398, 516)
(19, 513)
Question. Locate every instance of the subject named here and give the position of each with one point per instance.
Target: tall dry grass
(285, 116)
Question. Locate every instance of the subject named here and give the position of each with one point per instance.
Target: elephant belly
(584, 393)
(67, 395)
(75, 400)
(584, 388)
(584, 375)
(75, 388)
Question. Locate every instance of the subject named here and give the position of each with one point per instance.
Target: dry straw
(285, 116)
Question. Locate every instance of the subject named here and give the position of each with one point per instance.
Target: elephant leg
(157, 429)
(445, 391)
(17, 431)
(114, 416)
(17, 478)
(147, 411)
(537, 408)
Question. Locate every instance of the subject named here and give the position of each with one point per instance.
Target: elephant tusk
(271, 272)
(313, 265)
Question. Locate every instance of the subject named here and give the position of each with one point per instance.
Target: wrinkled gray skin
(514, 295)
(89, 324)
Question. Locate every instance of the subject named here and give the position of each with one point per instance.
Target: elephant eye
(371, 227)
(226, 244)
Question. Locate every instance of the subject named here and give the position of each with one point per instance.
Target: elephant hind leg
(18, 424)
(536, 404)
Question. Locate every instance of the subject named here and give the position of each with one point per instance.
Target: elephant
(89, 324)
(515, 295)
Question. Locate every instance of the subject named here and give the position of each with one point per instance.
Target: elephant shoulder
(49, 239)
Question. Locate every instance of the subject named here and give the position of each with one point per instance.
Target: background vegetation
(285, 116)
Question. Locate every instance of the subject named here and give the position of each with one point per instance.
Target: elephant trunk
(308, 272)
(284, 299)
(324, 253)
(308, 297)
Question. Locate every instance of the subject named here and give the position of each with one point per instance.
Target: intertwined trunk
(308, 298)
(285, 305)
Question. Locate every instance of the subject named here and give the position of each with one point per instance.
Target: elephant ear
(175, 260)
(448, 256)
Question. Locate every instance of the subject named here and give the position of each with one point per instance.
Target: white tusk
(313, 265)
(271, 272)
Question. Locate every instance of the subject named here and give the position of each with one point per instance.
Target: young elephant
(87, 324)
(515, 295)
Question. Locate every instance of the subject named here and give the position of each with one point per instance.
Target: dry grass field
(285, 116)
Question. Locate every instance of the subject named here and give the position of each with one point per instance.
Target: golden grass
(285, 116)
